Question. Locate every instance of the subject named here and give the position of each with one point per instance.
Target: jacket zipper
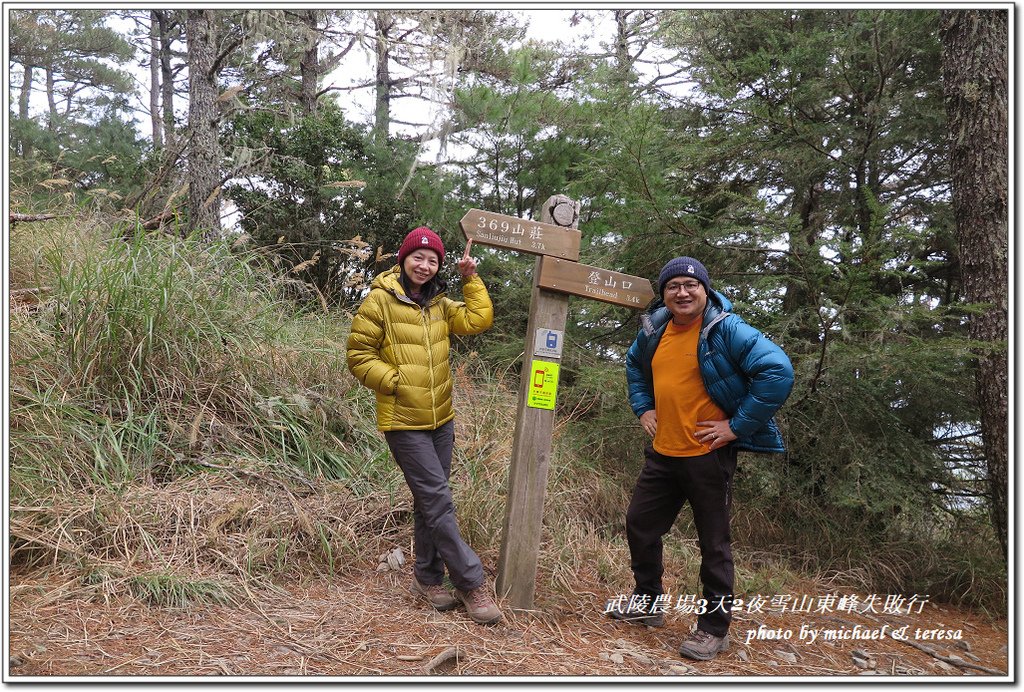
(425, 315)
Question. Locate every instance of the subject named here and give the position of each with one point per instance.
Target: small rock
(383, 567)
(786, 656)
(604, 656)
(395, 559)
(965, 645)
(942, 665)
(281, 648)
(863, 660)
(677, 669)
(868, 672)
(17, 660)
(743, 655)
(773, 663)
(616, 658)
(640, 658)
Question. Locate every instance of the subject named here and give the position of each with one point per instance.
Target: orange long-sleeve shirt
(680, 399)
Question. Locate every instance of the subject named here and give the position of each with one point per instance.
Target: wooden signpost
(556, 275)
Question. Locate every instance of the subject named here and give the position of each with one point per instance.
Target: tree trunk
(51, 101)
(974, 73)
(26, 93)
(25, 145)
(807, 207)
(382, 21)
(309, 66)
(623, 60)
(154, 81)
(203, 118)
(166, 76)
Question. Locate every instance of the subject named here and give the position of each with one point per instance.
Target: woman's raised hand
(467, 265)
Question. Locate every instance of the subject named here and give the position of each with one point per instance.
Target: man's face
(685, 298)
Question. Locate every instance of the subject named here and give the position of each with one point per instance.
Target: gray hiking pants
(425, 457)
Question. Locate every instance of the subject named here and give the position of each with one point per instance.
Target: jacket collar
(717, 309)
(390, 281)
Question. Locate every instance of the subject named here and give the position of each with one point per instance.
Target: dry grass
(255, 527)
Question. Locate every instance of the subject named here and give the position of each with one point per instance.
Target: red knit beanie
(421, 237)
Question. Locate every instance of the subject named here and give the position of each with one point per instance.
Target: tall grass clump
(159, 351)
(153, 370)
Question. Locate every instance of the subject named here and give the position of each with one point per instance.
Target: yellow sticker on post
(543, 384)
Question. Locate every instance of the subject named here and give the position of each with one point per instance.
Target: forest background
(197, 206)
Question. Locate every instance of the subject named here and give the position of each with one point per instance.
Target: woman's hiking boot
(435, 594)
(479, 605)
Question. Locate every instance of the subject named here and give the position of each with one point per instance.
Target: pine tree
(974, 68)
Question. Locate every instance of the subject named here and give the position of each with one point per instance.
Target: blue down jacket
(744, 372)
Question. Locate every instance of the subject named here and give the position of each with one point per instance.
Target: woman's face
(420, 267)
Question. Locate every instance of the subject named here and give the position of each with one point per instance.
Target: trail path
(366, 624)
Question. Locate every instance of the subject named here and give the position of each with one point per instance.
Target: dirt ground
(368, 625)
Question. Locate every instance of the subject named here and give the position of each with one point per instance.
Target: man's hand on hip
(714, 433)
(649, 422)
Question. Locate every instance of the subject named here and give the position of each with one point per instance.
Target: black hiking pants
(664, 485)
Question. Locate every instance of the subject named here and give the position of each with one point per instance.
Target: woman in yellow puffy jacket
(398, 347)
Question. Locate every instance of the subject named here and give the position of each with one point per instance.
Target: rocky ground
(366, 624)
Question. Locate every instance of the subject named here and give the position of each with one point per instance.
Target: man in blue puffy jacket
(704, 384)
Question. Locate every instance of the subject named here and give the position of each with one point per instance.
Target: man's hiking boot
(703, 646)
(435, 594)
(479, 605)
(636, 615)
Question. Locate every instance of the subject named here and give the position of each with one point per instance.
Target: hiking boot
(435, 594)
(480, 605)
(636, 616)
(703, 646)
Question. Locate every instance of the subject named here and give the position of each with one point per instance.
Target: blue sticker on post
(543, 387)
(548, 343)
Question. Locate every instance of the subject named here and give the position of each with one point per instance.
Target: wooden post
(531, 448)
(556, 275)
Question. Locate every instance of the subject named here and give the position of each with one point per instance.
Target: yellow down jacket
(400, 350)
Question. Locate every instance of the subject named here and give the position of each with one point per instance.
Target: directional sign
(522, 235)
(594, 282)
